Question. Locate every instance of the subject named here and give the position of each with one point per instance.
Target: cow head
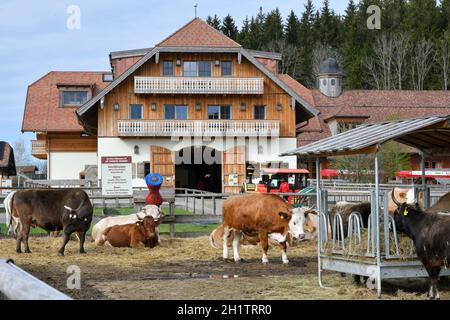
(296, 225)
(147, 226)
(311, 217)
(404, 213)
(153, 211)
(74, 221)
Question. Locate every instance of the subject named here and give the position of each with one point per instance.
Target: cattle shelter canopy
(430, 135)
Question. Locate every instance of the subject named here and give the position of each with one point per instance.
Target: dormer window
(346, 126)
(74, 96)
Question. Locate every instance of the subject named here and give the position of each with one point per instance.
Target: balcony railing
(197, 128)
(197, 85)
(39, 148)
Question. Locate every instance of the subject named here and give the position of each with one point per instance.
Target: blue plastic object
(154, 179)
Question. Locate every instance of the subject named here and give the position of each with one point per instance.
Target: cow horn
(79, 207)
(68, 208)
(393, 198)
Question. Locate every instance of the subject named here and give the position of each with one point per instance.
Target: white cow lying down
(148, 210)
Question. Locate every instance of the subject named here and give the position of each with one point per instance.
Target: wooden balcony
(39, 149)
(198, 128)
(197, 85)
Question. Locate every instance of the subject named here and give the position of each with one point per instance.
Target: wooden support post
(214, 205)
(186, 201)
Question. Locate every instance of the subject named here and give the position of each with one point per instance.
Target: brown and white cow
(403, 195)
(148, 210)
(309, 225)
(140, 233)
(266, 215)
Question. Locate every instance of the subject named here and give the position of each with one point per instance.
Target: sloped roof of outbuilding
(430, 135)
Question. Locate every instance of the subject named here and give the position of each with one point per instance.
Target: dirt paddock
(191, 269)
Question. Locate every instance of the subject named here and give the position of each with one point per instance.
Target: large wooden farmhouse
(196, 105)
(199, 107)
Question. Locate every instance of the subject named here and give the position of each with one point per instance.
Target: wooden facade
(162, 162)
(233, 163)
(124, 95)
(63, 141)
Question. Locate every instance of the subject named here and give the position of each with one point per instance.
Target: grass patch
(190, 227)
(124, 211)
(163, 228)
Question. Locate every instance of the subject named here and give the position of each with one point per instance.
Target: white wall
(271, 148)
(68, 165)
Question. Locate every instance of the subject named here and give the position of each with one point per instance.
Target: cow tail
(102, 239)
(211, 240)
(8, 208)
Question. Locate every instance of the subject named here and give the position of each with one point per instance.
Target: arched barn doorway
(199, 168)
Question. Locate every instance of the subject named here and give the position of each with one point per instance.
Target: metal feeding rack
(379, 253)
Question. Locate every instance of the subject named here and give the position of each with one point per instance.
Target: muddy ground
(191, 269)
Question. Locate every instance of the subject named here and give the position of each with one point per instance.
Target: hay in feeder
(406, 248)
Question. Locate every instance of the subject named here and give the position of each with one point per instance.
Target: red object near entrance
(154, 182)
(329, 173)
(280, 180)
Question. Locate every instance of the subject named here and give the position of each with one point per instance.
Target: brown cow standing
(69, 210)
(131, 235)
(264, 214)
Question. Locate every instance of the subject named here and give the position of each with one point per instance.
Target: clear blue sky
(34, 38)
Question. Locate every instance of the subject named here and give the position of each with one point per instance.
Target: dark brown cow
(346, 209)
(442, 206)
(69, 210)
(430, 233)
(263, 214)
(131, 235)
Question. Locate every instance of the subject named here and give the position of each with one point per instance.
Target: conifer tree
(291, 32)
(273, 26)
(229, 27)
(213, 21)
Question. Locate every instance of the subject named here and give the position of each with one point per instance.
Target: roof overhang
(430, 135)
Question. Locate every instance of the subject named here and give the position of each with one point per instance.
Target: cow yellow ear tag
(405, 213)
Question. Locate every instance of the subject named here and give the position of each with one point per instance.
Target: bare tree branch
(421, 62)
(443, 59)
(402, 45)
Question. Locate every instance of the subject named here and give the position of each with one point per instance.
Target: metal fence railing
(16, 284)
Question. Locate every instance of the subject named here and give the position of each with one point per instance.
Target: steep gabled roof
(42, 111)
(197, 44)
(197, 33)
